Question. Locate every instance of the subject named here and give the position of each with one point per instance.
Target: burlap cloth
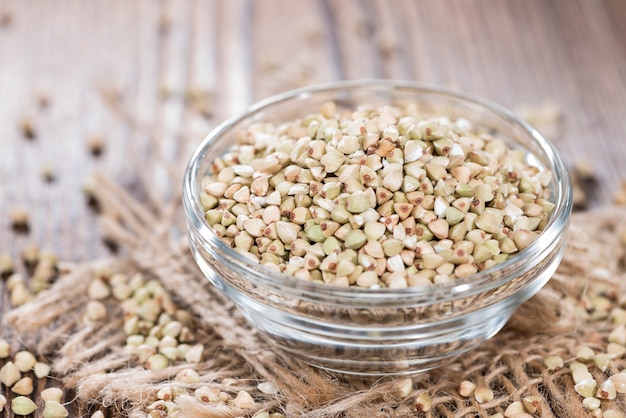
(93, 365)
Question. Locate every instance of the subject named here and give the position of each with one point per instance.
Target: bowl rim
(475, 283)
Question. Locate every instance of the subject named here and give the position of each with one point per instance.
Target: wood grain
(152, 78)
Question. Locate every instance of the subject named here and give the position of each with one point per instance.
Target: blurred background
(130, 88)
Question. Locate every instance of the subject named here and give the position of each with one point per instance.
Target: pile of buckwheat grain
(375, 197)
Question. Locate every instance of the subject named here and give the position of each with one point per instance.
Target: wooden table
(148, 80)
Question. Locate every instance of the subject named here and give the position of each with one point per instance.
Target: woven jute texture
(580, 306)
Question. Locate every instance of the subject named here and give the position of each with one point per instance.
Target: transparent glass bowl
(385, 331)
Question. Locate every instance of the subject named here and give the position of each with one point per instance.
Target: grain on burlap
(554, 322)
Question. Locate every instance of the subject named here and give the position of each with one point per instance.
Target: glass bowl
(379, 331)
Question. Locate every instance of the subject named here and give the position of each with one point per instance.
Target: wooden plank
(234, 89)
(203, 76)
(355, 31)
(290, 46)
